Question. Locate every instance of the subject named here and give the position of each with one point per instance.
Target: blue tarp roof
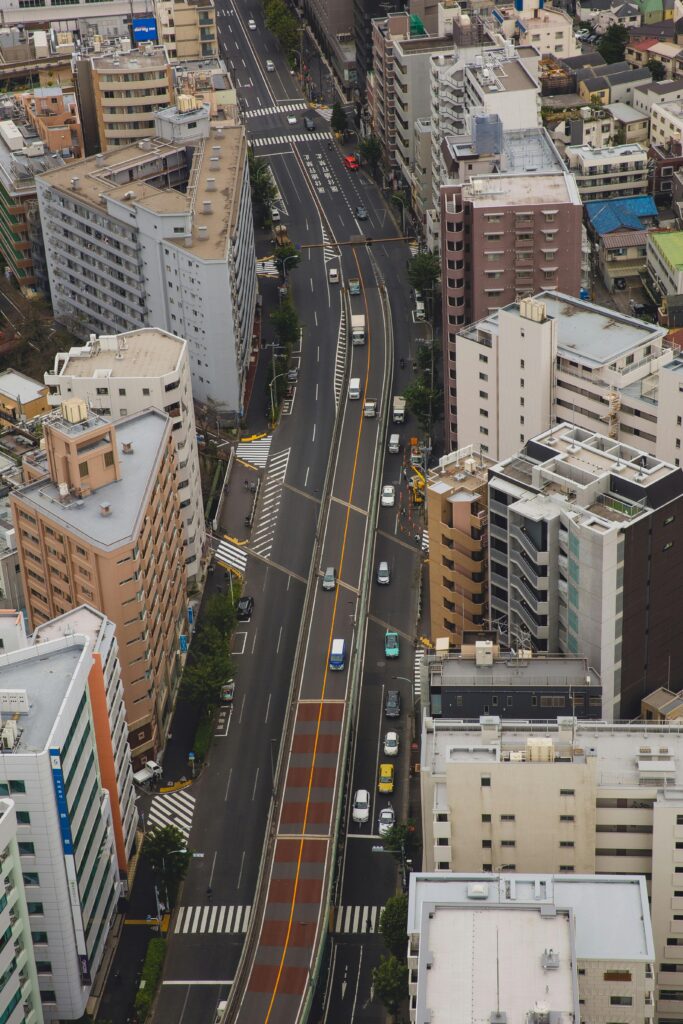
(620, 214)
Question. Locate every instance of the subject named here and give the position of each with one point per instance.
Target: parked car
(351, 163)
(361, 806)
(330, 578)
(292, 375)
(391, 744)
(383, 573)
(385, 783)
(386, 820)
(228, 692)
(391, 644)
(309, 124)
(388, 496)
(275, 215)
(392, 704)
(245, 607)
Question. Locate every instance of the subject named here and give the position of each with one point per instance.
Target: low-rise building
(124, 374)
(619, 228)
(571, 797)
(640, 51)
(666, 122)
(549, 29)
(630, 125)
(476, 675)
(645, 96)
(665, 262)
(608, 83)
(662, 705)
(549, 940)
(608, 172)
(21, 397)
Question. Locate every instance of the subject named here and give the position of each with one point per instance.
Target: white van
(270, 66)
(338, 655)
(333, 275)
(354, 388)
(394, 444)
(419, 310)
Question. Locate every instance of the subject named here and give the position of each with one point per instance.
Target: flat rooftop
(593, 333)
(506, 75)
(510, 670)
(45, 673)
(127, 497)
(630, 754)
(147, 352)
(21, 388)
(83, 621)
(491, 190)
(670, 245)
(146, 59)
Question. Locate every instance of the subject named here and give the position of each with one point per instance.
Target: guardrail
(261, 893)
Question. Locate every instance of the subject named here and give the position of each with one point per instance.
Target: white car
(388, 496)
(386, 820)
(291, 119)
(252, 25)
(361, 806)
(391, 744)
(270, 66)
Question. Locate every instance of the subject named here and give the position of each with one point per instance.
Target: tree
(263, 190)
(219, 611)
(393, 924)
(424, 402)
(390, 979)
(613, 44)
(370, 149)
(656, 69)
(400, 840)
(287, 257)
(424, 271)
(169, 858)
(286, 322)
(282, 24)
(338, 121)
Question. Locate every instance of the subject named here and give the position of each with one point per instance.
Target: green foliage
(263, 191)
(613, 44)
(210, 664)
(169, 858)
(282, 23)
(151, 976)
(424, 401)
(390, 979)
(656, 69)
(424, 271)
(393, 925)
(202, 738)
(370, 149)
(400, 840)
(338, 121)
(286, 322)
(287, 257)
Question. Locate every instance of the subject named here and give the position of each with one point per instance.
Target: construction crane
(418, 478)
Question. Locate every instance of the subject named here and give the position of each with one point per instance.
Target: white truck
(357, 328)
(148, 773)
(398, 412)
(370, 407)
(354, 388)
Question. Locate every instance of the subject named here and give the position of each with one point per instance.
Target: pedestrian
(209, 892)
(117, 977)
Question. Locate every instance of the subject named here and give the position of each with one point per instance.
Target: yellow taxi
(386, 778)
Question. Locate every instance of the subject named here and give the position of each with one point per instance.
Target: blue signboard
(144, 30)
(60, 795)
(183, 644)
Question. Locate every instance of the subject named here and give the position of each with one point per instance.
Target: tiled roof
(610, 215)
(623, 239)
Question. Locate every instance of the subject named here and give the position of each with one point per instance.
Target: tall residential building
(554, 357)
(573, 798)
(584, 553)
(533, 947)
(120, 375)
(609, 172)
(187, 28)
(161, 234)
(119, 94)
(99, 523)
(107, 706)
(49, 766)
(19, 991)
(548, 28)
(457, 518)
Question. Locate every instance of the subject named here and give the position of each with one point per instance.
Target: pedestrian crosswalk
(279, 140)
(208, 918)
(330, 252)
(264, 531)
(255, 452)
(267, 268)
(174, 809)
(340, 358)
(414, 248)
(357, 920)
(417, 685)
(233, 555)
(325, 113)
(283, 108)
(425, 541)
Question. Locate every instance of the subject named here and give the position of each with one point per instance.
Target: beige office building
(187, 29)
(123, 374)
(571, 797)
(98, 522)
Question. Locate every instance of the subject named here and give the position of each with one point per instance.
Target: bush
(151, 976)
(202, 738)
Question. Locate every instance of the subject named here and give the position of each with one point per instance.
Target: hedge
(151, 976)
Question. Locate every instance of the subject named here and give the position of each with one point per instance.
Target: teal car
(391, 649)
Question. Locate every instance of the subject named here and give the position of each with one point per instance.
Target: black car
(392, 704)
(245, 607)
(309, 124)
(361, 213)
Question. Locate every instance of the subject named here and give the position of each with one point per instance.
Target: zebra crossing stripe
(356, 920)
(279, 140)
(284, 108)
(174, 809)
(245, 919)
(425, 541)
(228, 923)
(212, 920)
(221, 915)
(419, 655)
(340, 358)
(231, 555)
(255, 452)
(262, 542)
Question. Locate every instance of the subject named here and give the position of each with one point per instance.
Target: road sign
(190, 756)
(377, 849)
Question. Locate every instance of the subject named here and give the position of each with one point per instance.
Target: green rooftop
(670, 245)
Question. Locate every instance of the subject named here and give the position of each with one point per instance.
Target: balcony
(537, 631)
(523, 588)
(519, 558)
(522, 537)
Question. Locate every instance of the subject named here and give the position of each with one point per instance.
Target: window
(23, 818)
(43, 967)
(617, 976)
(507, 817)
(109, 458)
(566, 817)
(27, 849)
(486, 780)
(35, 908)
(122, 391)
(566, 844)
(17, 786)
(621, 1000)
(145, 391)
(39, 937)
(31, 878)
(483, 359)
(508, 842)
(83, 469)
(570, 792)
(485, 818)
(486, 844)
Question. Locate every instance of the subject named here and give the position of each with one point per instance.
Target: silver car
(330, 578)
(383, 573)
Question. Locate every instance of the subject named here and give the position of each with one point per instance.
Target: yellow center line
(327, 659)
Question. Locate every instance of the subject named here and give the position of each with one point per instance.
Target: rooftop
(670, 245)
(491, 190)
(509, 669)
(141, 59)
(606, 154)
(606, 215)
(674, 108)
(625, 112)
(147, 352)
(44, 673)
(83, 621)
(21, 388)
(126, 497)
(636, 754)
(597, 335)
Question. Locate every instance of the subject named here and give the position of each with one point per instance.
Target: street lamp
(285, 261)
(171, 853)
(272, 402)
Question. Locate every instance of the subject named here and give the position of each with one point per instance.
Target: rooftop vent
(75, 184)
(127, 447)
(128, 196)
(207, 206)
(203, 232)
(99, 159)
(105, 509)
(550, 961)
(210, 184)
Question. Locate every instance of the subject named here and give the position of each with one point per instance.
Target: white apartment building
(105, 690)
(126, 248)
(49, 766)
(499, 81)
(569, 519)
(549, 29)
(560, 948)
(555, 357)
(19, 992)
(572, 797)
(608, 172)
(123, 374)
(63, 14)
(666, 122)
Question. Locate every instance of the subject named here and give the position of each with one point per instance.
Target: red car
(351, 163)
